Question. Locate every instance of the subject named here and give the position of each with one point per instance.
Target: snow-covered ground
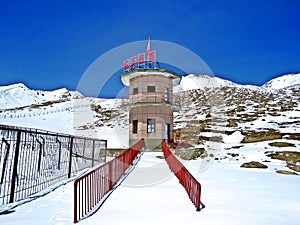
(232, 195)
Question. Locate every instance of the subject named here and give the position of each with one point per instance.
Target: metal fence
(32, 160)
(90, 188)
(191, 185)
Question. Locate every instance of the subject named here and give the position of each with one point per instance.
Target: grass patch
(291, 157)
(254, 164)
(294, 167)
(114, 152)
(253, 136)
(232, 123)
(295, 136)
(286, 172)
(187, 154)
(282, 144)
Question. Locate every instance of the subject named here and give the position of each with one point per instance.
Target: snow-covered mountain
(18, 95)
(64, 111)
(192, 81)
(284, 81)
(206, 103)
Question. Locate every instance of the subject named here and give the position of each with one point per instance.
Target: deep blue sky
(50, 44)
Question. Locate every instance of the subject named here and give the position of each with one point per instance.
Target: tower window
(150, 125)
(135, 126)
(166, 90)
(151, 88)
(135, 91)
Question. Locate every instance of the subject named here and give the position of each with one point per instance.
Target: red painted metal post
(109, 174)
(75, 201)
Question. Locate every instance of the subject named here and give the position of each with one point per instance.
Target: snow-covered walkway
(152, 195)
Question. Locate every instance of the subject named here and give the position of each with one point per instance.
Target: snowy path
(136, 199)
(152, 195)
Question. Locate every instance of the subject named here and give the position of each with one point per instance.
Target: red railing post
(110, 175)
(75, 201)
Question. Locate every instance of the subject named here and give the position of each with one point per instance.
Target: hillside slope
(284, 81)
(18, 95)
(210, 109)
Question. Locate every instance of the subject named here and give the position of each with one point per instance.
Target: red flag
(132, 61)
(152, 56)
(126, 65)
(141, 58)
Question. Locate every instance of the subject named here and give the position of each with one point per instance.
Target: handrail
(43, 132)
(90, 188)
(191, 185)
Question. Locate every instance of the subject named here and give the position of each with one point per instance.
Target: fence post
(93, 154)
(70, 157)
(59, 153)
(105, 150)
(40, 155)
(83, 152)
(15, 168)
(5, 160)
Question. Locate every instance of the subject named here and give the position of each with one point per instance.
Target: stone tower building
(150, 100)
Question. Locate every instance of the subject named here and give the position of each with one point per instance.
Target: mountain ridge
(19, 95)
(284, 81)
(221, 107)
(192, 81)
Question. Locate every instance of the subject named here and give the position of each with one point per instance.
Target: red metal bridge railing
(191, 185)
(92, 186)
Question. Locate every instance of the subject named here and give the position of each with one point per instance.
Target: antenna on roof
(148, 45)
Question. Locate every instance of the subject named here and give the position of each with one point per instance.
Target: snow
(18, 95)
(283, 81)
(234, 138)
(65, 121)
(192, 81)
(69, 115)
(232, 195)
